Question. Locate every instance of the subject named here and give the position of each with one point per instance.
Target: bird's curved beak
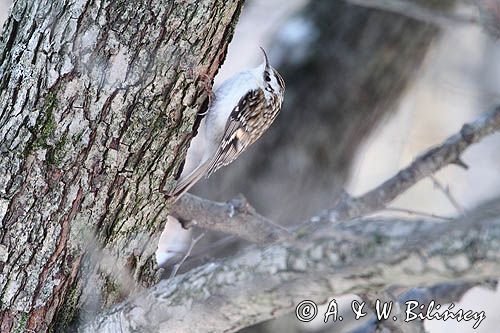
(265, 57)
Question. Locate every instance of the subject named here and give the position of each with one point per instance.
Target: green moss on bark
(44, 127)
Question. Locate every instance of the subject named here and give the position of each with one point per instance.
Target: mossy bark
(97, 104)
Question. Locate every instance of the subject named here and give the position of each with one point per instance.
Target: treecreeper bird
(241, 110)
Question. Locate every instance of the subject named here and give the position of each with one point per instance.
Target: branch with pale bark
(238, 218)
(425, 165)
(347, 257)
(327, 259)
(235, 217)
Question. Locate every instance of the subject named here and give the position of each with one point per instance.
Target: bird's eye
(267, 77)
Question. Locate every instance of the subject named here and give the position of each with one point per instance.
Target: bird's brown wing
(245, 125)
(242, 129)
(237, 136)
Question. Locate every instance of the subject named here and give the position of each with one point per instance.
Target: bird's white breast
(227, 97)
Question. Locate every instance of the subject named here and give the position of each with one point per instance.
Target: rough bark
(359, 245)
(356, 256)
(97, 105)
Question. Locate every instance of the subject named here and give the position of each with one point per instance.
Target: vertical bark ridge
(97, 103)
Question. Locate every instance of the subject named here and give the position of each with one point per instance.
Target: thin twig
(188, 253)
(446, 191)
(417, 213)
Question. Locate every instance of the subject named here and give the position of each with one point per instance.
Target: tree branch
(440, 17)
(425, 165)
(346, 257)
(238, 218)
(446, 191)
(329, 259)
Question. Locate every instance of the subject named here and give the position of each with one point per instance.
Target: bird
(174, 242)
(242, 108)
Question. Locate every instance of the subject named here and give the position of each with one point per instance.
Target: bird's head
(272, 80)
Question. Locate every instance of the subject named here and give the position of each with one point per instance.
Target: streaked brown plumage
(243, 109)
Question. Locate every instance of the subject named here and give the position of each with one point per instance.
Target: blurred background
(367, 91)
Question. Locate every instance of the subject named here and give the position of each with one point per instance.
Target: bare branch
(235, 217)
(423, 166)
(418, 11)
(346, 257)
(444, 15)
(417, 213)
(238, 218)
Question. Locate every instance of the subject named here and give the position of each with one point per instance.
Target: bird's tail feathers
(185, 183)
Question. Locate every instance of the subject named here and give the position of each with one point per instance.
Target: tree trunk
(97, 104)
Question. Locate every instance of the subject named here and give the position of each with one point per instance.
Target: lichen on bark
(97, 104)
